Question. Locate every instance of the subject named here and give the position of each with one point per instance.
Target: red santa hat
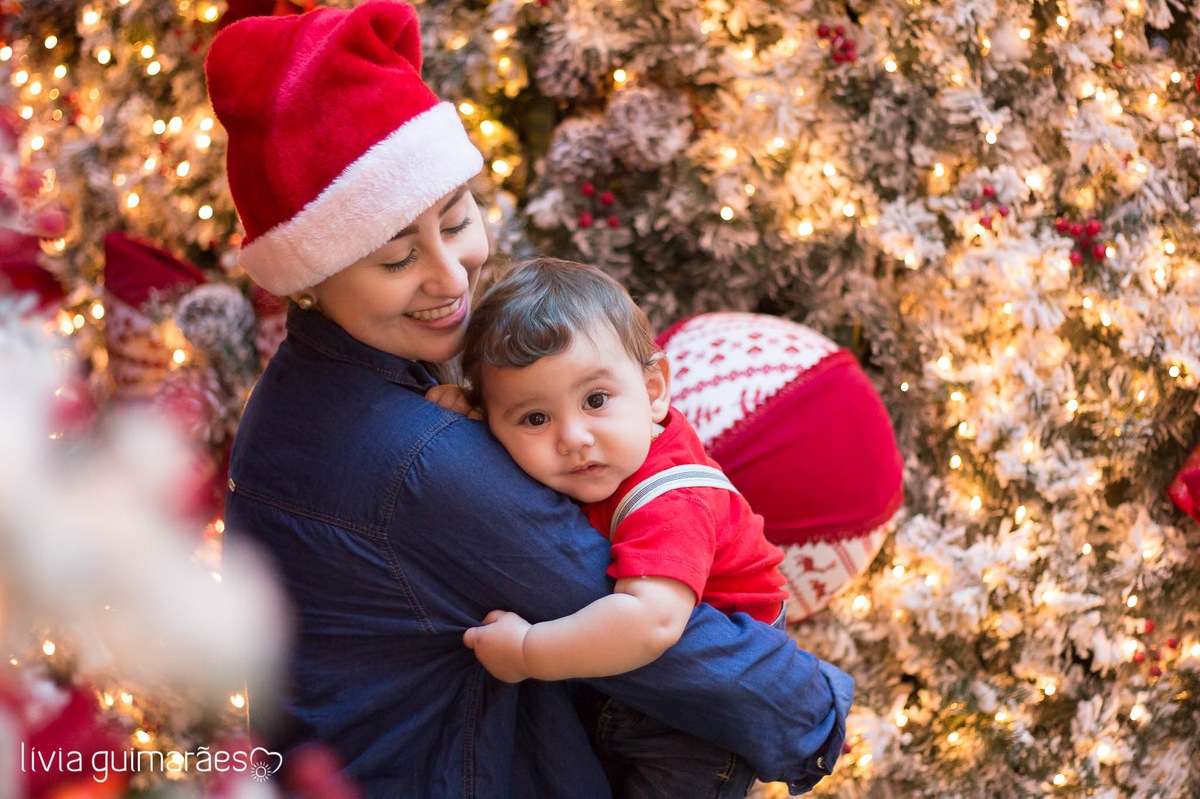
(334, 142)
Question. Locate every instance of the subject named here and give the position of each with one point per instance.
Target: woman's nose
(446, 276)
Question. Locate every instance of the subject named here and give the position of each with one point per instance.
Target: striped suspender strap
(659, 483)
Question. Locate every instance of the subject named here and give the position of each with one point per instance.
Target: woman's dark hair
(537, 307)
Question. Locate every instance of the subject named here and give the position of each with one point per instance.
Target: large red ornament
(801, 432)
(1184, 490)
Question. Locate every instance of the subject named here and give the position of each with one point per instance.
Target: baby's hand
(454, 398)
(499, 643)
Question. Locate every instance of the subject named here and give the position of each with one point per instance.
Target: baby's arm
(453, 397)
(623, 631)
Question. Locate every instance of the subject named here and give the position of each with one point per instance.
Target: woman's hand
(453, 398)
(499, 645)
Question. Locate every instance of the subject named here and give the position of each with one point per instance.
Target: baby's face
(579, 421)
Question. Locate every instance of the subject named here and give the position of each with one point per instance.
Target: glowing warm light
(901, 719)
(1062, 21)
(1176, 77)
(91, 17)
(1007, 308)
(487, 127)
(1152, 99)
(153, 68)
(805, 228)
(1103, 751)
(501, 167)
(1072, 405)
(1136, 712)
(126, 698)
(898, 571)
(5, 53)
(976, 503)
(500, 35)
(27, 112)
(944, 363)
(1001, 716)
(237, 700)
(864, 761)
(37, 143)
(1060, 779)
(860, 604)
(1025, 34)
(953, 737)
(890, 65)
(51, 42)
(466, 109)
(60, 71)
(956, 396)
(48, 647)
(726, 213)
(1087, 302)
(990, 137)
(203, 141)
(1132, 601)
(183, 169)
(1049, 689)
(904, 386)
(1034, 181)
(104, 55)
(205, 212)
(97, 311)
(956, 462)
(1169, 247)
(1105, 319)
(179, 356)
(848, 209)
(1173, 371)
(829, 170)
(620, 76)
(132, 200)
(20, 77)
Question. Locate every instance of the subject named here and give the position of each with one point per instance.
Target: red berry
(989, 190)
(1093, 227)
(1076, 229)
(1062, 224)
(1100, 252)
(1172, 642)
(1139, 656)
(849, 45)
(847, 748)
(986, 221)
(823, 31)
(586, 219)
(607, 198)
(976, 204)
(1076, 257)
(1149, 623)
(1155, 654)
(614, 222)
(851, 57)
(588, 189)
(1003, 210)
(1085, 243)
(838, 57)
(1155, 671)
(839, 31)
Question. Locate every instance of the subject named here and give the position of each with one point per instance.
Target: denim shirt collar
(314, 330)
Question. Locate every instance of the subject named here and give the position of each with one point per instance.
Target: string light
(726, 213)
(805, 228)
(620, 76)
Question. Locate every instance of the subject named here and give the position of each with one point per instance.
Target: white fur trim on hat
(378, 195)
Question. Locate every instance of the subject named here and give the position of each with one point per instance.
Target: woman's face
(411, 297)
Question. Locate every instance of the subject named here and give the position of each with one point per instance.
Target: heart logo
(264, 763)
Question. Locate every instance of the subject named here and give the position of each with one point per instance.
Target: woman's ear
(658, 386)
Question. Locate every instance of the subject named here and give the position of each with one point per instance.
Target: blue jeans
(646, 759)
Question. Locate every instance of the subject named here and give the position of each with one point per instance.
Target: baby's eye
(535, 419)
(596, 401)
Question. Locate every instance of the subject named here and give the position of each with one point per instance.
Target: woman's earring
(306, 302)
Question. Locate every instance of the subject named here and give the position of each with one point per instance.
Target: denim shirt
(396, 524)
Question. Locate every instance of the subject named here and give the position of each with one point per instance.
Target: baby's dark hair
(537, 308)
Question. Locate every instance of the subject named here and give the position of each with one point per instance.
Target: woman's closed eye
(396, 266)
(460, 227)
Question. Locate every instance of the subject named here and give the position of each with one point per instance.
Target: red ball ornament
(976, 204)
(839, 31)
(1148, 626)
(607, 198)
(1139, 656)
(1100, 252)
(1172, 642)
(823, 31)
(989, 190)
(1076, 229)
(986, 221)
(588, 189)
(1155, 671)
(614, 222)
(1093, 227)
(1076, 257)
(50, 222)
(1062, 224)
(1004, 210)
(586, 219)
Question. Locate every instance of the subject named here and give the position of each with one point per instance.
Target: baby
(562, 365)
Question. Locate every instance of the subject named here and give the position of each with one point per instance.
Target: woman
(396, 524)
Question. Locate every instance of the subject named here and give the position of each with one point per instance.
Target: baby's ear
(658, 386)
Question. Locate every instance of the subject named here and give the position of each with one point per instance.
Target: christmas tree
(991, 204)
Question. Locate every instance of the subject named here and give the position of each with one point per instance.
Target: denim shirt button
(821, 763)
(232, 485)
